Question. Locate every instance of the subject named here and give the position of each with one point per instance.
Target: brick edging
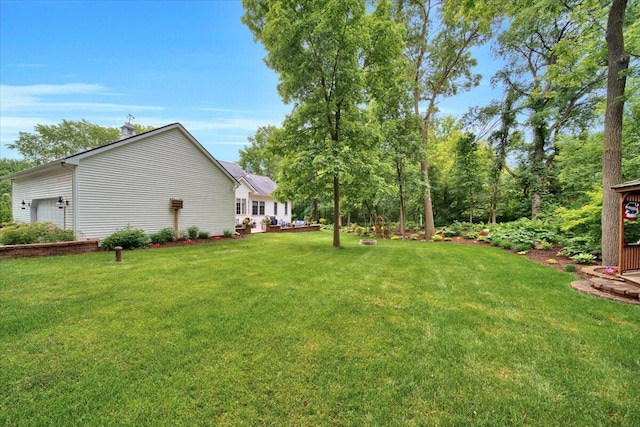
(49, 249)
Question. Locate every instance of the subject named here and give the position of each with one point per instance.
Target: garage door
(47, 210)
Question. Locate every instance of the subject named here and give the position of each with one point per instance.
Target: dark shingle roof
(262, 184)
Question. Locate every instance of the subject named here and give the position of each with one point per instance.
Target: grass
(285, 330)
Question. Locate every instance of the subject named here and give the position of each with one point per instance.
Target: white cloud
(44, 97)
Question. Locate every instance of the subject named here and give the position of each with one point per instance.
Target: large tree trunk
(429, 225)
(336, 211)
(618, 62)
(314, 215)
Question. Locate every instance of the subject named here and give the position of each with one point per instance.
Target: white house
(254, 199)
(139, 180)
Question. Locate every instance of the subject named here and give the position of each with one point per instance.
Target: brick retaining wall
(48, 249)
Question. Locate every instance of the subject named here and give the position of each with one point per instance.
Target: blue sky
(164, 61)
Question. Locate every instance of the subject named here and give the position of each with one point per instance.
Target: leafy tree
(467, 176)
(556, 82)
(618, 62)
(8, 166)
(52, 142)
(438, 43)
(330, 56)
(259, 157)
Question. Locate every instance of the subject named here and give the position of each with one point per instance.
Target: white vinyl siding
(43, 189)
(133, 183)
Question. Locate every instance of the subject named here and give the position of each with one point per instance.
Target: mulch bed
(198, 241)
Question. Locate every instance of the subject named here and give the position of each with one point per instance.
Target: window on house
(241, 206)
(275, 208)
(286, 205)
(257, 208)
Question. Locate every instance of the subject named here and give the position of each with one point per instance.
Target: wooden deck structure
(629, 252)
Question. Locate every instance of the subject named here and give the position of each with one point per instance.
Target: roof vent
(127, 130)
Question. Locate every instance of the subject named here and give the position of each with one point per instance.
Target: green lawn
(283, 329)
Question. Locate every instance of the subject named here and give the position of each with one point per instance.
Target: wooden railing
(630, 258)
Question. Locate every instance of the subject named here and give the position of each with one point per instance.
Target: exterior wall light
(61, 203)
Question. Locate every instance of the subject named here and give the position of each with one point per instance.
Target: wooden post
(176, 205)
(621, 265)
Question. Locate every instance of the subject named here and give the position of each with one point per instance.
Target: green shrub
(584, 258)
(24, 234)
(203, 234)
(544, 245)
(227, 233)
(471, 235)
(192, 232)
(127, 238)
(570, 268)
(163, 236)
(437, 238)
(506, 244)
(578, 245)
(521, 247)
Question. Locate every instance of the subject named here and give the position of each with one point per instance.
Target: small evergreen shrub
(127, 238)
(203, 234)
(227, 233)
(163, 236)
(39, 232)
(192, 232)
(570, 268)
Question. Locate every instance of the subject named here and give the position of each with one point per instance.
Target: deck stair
(608, 286)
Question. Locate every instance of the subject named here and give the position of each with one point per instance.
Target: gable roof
(262, 185)
(74, 159)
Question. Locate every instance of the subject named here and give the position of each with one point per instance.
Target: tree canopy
(332, 58)
(52, 142)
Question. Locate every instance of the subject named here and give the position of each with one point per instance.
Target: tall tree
(439, 40)
(259, 156)
(551, 62)
(8, 166)
(330, 57)
(618, 62)
(467, 176)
